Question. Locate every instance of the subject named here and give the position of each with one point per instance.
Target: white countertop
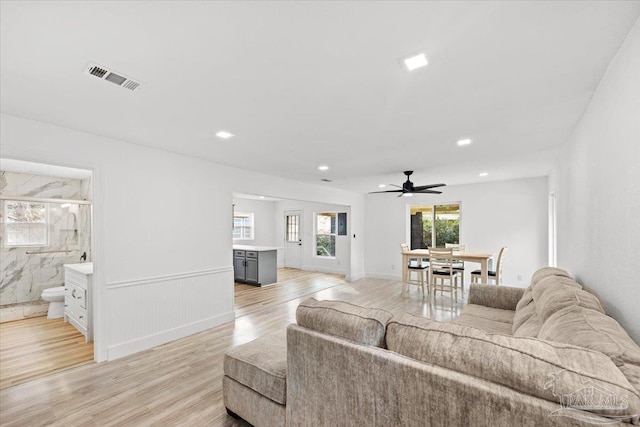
(255, 248)
(84, 268)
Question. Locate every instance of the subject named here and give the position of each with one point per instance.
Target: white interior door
(293, 243)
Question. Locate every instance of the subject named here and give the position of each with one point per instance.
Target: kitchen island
(255, 265)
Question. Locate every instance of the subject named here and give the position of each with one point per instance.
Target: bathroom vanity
(78, 297)
(255, 265)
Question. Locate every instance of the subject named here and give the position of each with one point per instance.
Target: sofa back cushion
(523, 312)
(362, 325)
(593, 330)
(552, 294)
(543, 369)
(530, 328)
(525, 319)
(546, 272)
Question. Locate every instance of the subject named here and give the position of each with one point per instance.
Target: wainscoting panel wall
(149, 312)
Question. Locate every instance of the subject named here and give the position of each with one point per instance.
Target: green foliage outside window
(447, 231)
(326, 245)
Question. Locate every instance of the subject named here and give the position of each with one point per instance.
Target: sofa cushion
(591, 329)
(523, 314)
(556, 281)
(261, 365)
(526, 299)
(539, 368)
(487, 325)
(552, 294)
(546, 272)
(490, 313)
(530, 328)
(362, 325)
(632, 372)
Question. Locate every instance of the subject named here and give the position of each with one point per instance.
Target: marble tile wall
(24, 276)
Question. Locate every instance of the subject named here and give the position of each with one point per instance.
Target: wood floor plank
(180, 383)
(35, 347)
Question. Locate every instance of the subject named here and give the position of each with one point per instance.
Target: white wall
(597, 182)
(506, 213)
(342, 261)
(264, 220)
(163, 259)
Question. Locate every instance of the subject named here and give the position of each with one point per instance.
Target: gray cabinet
(254, 267)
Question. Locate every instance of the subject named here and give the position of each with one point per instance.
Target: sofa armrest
(504, 297)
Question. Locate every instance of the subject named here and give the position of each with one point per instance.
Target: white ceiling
(309, 83)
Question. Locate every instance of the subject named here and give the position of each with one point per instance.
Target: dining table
(480, 257)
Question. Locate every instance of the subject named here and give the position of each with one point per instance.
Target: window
(292, 228)
(242, 226)
(326, 234)
(435, 225)
(26, 223)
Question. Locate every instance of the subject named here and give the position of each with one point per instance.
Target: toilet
(55, 296)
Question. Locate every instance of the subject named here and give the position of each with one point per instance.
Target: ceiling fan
(408, 189)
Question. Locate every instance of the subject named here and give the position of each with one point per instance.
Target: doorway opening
(46, 236)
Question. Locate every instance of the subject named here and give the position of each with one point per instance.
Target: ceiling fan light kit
(408, 189)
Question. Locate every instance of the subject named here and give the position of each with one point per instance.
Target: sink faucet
(83, 257)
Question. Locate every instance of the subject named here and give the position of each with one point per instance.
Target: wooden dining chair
(417, 266)
(441, 270)
(458, 265)
(495, 275)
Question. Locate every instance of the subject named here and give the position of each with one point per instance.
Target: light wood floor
(180, 383)
(35, 347)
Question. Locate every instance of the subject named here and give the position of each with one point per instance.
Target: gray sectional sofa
(544, 355)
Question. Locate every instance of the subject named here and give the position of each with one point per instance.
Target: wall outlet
(393, 267)
(519, 277)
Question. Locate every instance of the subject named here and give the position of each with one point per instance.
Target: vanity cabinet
(255, 266)
(78, 290)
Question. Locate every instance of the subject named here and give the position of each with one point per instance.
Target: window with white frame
(292, 228)
(26, 223)
(326, 234)
(243, 226)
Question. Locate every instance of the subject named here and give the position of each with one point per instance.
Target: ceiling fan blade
(428, 192)
(388, 191)
(393, 185)
(426, 187)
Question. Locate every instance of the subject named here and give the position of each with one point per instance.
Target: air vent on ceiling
(108, 75)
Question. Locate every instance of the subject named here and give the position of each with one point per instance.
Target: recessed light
(415, 61)
(483, 174)
(224, 134)
(462, 142)
(382, 185)
(262, 197)
(323, 168)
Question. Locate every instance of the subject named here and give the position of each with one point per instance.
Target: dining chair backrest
(441, 259)
(500, 264)
(404, 247)
(457, 247)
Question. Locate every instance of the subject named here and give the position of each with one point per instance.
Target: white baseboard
(150, 341)
(355, 277)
